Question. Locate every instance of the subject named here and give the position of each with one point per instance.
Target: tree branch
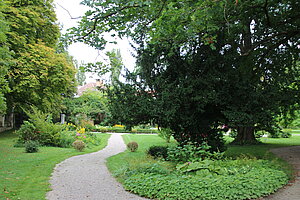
(97, 18)
(68, 12)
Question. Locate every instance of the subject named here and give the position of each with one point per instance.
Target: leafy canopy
(207, 63)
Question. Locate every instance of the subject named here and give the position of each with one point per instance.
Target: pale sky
(80, 51)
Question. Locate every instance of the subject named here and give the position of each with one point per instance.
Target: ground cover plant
(246, 172)
(26, 175)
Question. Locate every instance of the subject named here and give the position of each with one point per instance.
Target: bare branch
(68, 12)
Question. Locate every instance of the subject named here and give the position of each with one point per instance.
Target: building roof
(90, 86)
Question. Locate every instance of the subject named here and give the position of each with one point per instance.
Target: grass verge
(25, 176)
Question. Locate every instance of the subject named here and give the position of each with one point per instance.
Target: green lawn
(261, 150)
(25, 176)
(295, 132)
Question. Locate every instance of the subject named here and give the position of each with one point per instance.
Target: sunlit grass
(25, 176)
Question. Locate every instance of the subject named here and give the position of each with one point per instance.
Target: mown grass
(262, 150)
(25, 176)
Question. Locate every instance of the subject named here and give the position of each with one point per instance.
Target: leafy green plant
(31, 146)
(66, 139)
(165, 133)
(45, 131)
(286, 135)
(158, 152)
(191, 152)
(275, 134)
(234, 179)
(233, 133)
(79, 145)
(132, 146)
(26, 132)
(259, 134)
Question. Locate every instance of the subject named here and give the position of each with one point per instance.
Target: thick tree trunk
(245, 135)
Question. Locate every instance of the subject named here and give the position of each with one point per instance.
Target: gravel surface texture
(292, 190)
(87, 177)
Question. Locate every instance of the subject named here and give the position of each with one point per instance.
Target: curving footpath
(87, 177)
(292, 190)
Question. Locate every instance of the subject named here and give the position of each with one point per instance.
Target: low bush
(238, 179)
(26, 132)
(40, 128)
(158, 152)
(275, 134)
(286, 135)
(67, 138)
(191, 152)
(31, 146)
(79, 145)
(165, 133)
(132, 146)
(233, 133)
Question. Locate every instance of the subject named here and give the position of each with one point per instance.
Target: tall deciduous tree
(208, 63)
(39, 76)
(5, 56)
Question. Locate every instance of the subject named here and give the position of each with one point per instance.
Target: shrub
(191, 152)
(90, 127)
(46, 132)
(275, 134)
(158, 152)
(132, 146)
(66, 139)
(286, 135)
(233, 133)
(165, 133)
(259, 134)
(79, 145)
(26, 132)
(31, 146)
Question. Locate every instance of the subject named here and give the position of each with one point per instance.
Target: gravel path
(87, 177)
(292, 190)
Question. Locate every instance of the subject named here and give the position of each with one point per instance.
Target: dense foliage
(231, 179)
(91, 105)
(5, 55)
(205, 63)
(40, 128)
(35, 73)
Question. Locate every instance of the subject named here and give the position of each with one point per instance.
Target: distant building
(90, 86)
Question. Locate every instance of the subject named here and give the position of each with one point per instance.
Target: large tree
(5, 56)
(208, 63)
(39, 76)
